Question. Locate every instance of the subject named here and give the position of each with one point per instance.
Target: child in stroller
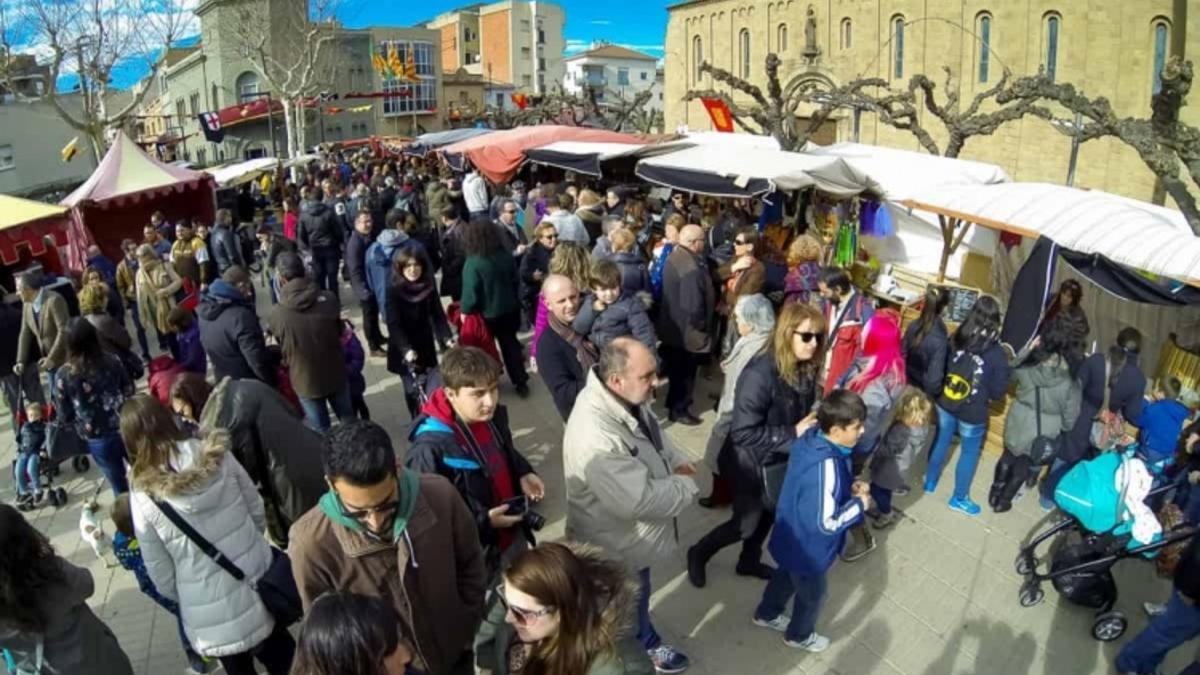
(31, 443)
(1107, 520)
(39, 452)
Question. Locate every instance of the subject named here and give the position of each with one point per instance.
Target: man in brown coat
(43, 325)
(307, 322)
(407, 538)
(685, 320)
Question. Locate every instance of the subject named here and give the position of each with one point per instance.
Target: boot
(696, 564)
(1000, 480)
(861, 543)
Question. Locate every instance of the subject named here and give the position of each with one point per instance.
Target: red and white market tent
(116, 201)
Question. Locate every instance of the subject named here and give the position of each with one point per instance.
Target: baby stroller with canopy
(1103, 500)
(62, 443)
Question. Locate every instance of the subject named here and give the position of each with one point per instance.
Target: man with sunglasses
(403, 537)
(462, 434)
(685, 320)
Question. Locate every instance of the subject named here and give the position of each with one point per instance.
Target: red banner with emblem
(719, 113)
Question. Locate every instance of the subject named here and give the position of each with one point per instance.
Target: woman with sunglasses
(562, 609)
(223, 617)
(535, 265)
(744, 274)
(773, 406)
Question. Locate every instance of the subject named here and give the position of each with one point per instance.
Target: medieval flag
(719, 113)
(210, 124)
(521, 101)
(395, 63)
(377, 62)
(410, 68)
(70, 150)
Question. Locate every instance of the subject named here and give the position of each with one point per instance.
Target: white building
(612, 71)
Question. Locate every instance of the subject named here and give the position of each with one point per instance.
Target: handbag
(133, 365)
(276, 588)
(1109, 427)
(772, 472)
(1043, 448)
(64, 442)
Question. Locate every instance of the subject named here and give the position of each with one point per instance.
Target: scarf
(409, 488)
(415, 291)
(584, 351)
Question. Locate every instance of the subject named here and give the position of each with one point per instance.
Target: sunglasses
(523, 616)
(510, 212)
(362, 514)
(807, 337)
(549, 236)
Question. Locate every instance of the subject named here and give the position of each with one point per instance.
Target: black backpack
(961, 386)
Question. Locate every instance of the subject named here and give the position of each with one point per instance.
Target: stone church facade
(1111, 48)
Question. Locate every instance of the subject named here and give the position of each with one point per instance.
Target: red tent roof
(499, 155)
(126, 170)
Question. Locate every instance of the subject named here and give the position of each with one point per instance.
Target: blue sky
(633, 24)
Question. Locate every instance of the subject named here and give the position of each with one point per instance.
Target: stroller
(62, 443)
(1097, 532)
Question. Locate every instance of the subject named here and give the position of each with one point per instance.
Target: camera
(519, 506)
(534, 520)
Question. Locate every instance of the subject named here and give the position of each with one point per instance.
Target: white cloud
(600, 22)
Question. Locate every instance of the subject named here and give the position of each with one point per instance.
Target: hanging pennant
(719, 113)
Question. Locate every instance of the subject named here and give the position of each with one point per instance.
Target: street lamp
(270, 115)
(1072, 129)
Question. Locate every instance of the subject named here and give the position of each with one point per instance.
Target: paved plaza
(938, 596)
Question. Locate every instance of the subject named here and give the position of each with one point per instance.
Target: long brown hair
(789, 320)
(149, 432)
(592, 595)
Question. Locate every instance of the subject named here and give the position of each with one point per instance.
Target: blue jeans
(970, 443)
(1057, 469)
(109, 454)
(806, 593)
(645, 628)
(325, 263)
(1145, 653)
(316, 414)
(27, 473)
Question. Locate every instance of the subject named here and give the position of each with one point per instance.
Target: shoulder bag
(1043, 448)
(276, 588)
(1108, 427)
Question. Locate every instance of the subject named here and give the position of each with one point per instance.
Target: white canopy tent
(1136, 234)
(903, 172)
(731, 141)
(748, 172)
(232, 175)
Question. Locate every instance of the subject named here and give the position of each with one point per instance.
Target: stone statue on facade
(811, 50)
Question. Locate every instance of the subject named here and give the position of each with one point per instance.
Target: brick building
(513, 41)
(1112, 48)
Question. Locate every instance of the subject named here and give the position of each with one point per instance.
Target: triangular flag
(70, 150)
(410, 68)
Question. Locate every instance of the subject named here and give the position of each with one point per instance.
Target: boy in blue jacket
(1161, 423)
(819, 503)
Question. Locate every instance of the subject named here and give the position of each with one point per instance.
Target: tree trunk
(1184, 200)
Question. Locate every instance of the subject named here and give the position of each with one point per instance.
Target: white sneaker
(813, 643)
(1154, 609)
(779, 623)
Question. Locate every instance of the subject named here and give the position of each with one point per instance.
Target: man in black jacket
(272, 244)
(684, 320)
(356, 268)
(226, 249)
(463, 435)
(320, 234)
(557, 360)
(230, 331)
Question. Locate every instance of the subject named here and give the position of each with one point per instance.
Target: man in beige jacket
(43, 327)
(626, 483)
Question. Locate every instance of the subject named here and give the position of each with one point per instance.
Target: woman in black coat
(415, 318)
(774, 396)
(535, 265)
(926, 344)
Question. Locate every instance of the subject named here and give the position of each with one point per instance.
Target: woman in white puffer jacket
(223, 617)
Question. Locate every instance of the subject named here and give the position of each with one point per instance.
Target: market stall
(233, 175)
(499, 155)
(426, 143)
(598, 158)
(117, 199)
(751, 172)
(30, 232)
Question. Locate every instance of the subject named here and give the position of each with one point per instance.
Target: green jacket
(495, 635)
(490, 285)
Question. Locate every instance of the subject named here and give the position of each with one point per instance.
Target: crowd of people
(244, 508)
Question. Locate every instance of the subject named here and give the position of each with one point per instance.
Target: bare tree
(574, 110)
(1163, 141)
(292, 56)
(88, 38)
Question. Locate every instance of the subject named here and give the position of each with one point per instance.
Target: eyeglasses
(807, 337)
(739, 242)
(549, 236)
(523, 616)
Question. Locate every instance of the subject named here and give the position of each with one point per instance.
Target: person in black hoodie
(463, 435)
(453, 255)
(230, 332)
(925, 344)
(356, 261)
(415, 317)
(226, 249)
(320, 234)
(977, 373)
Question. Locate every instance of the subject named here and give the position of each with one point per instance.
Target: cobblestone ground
(938, 596)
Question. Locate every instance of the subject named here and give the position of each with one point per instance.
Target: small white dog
(92, 532)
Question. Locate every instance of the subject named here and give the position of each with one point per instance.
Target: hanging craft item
(875, 220)
(846, 244)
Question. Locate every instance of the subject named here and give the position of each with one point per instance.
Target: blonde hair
(93, 298)
(573, 262)
(914, 408)
(804, 248)
(790, 319)
(587, 198)
(621, 239)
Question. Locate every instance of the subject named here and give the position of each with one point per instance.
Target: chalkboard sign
(962, 299)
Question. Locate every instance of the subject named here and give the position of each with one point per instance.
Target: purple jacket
(191, 352)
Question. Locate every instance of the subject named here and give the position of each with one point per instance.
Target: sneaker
(814, 643)
(1154, 609)
(667, 660)
(859, 546)
(1046, 505)
(522, 390)
(886, 520)
(930, 486)
(200, 665)
(965, 505)
(39, 496)
(779, 623)
(902, 491)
